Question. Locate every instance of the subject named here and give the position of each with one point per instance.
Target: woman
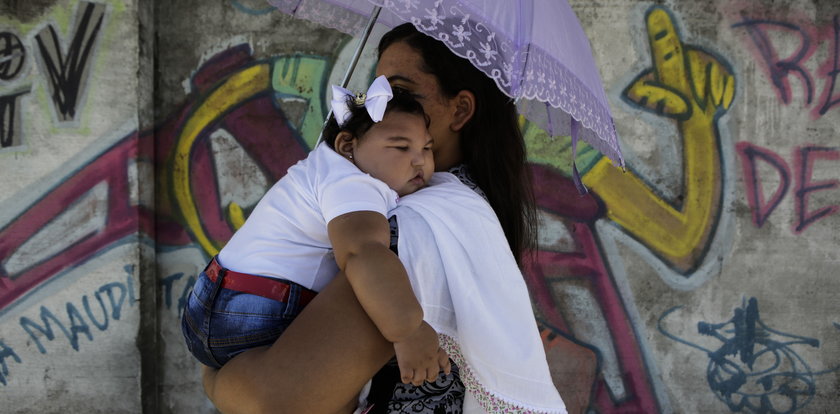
(476, 137)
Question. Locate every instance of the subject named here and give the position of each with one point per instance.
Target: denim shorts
(220, 323)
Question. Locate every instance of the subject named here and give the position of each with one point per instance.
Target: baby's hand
(420, 356)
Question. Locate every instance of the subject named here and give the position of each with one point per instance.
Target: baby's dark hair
(359, 120)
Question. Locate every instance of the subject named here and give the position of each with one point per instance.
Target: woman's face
(402, 65)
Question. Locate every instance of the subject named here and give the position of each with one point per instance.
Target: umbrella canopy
(535, 51)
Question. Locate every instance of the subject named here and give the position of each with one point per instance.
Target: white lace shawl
(474, 295)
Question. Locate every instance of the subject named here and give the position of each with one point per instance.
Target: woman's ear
(464, 103)
(344, 144)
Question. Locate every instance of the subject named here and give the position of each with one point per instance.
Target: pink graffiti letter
(749, 153)
(780, 68)
(804, 163)
(828, 102)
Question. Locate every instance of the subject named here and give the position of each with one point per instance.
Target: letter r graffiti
(780, 68)
(829, 99)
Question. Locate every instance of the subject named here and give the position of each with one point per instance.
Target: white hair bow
(375, 100)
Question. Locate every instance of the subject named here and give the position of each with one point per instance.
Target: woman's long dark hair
(492, 146)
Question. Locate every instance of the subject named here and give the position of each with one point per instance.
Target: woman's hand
(420, 356)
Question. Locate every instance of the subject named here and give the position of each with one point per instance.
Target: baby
(328, 213)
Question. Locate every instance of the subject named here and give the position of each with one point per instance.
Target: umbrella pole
(356, 55)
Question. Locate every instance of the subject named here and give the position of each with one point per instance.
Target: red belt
(266, 287)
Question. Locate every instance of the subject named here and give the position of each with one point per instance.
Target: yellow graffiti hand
(684, 81)
(714, 86)
(653, 96)
(694, 88)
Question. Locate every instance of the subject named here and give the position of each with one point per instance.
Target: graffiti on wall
(82, 214)
(756, 369)
(77, 320)
(89, 211)
(67, 72)
(64, 63)
(576, 291)
(261, 110)
(766, 37)
(12, 60)
(246, 121)
(801, 174)
(92, 209)
(694, 87)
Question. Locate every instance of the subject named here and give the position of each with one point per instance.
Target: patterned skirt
(390, 396)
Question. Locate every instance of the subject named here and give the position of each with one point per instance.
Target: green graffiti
(299, 83)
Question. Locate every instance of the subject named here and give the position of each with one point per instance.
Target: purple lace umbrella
(535, 51)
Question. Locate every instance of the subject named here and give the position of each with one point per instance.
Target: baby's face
(397, 151)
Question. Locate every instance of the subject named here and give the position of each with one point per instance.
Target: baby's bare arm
(360, 241)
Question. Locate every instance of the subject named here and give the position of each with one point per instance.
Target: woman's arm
(323, 359)
(318, 365)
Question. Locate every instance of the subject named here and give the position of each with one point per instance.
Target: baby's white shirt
(285, 235)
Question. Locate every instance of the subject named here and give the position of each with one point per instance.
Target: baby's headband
(375, 100)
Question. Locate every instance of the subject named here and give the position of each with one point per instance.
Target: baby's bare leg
(318, 365)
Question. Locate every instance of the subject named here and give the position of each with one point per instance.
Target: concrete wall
(705, 278)
(75, 213)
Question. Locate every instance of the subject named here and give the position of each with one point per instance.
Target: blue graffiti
(185, 293)
(6, 352)
(168, 283)
(249, 10)
(167, 287)
(77, 325)
(116, 292)
(755, 370)
(118, 295)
